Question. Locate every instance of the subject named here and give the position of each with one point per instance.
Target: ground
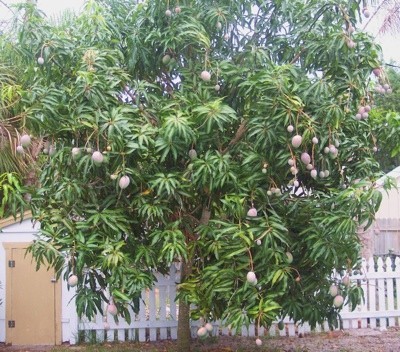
(362, 340)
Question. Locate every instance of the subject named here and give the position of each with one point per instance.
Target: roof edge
(11, 220)
(395, 173)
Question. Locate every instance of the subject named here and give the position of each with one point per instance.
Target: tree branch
(297, 56)
(238, 136)
(8, 7)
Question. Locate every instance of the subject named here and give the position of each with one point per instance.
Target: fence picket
(225, 331)
(121, 334)
(152, 313)
(142, 316)
(109, 336)
(284, 330)
(100, 335)
(371, 283)
(389, 290)
(381, 292)
(346, 324)
(132, 335)
(244, 331)
(304, 329)
(262, 331)
(172, 311)
(162, 307)
(291, 329)
(251, 331)
(397, 283)
(363, 307)
(272, 330)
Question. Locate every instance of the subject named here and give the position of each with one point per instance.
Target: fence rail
(157, 318)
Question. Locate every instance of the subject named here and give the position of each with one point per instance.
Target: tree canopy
(222, 134)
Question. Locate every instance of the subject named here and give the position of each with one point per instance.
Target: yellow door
(32, 300)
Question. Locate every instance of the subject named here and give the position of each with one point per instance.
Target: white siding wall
(386, 230)
(390, 206)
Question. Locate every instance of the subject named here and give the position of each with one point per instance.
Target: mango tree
(231, 136)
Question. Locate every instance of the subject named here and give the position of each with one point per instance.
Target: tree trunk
(367, 241)
(184, 332)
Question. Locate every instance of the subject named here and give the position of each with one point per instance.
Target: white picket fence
(157, 318)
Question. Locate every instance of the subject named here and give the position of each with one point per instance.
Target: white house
(31, 298)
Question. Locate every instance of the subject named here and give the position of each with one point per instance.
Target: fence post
(389, 289)
(381, 292)
(364, 285)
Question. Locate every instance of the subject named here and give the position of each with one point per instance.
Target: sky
(390, 43)
(50, 7)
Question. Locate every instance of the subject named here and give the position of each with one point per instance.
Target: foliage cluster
(386, 123)
(125, 80)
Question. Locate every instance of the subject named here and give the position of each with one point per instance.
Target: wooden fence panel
(387, 236)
